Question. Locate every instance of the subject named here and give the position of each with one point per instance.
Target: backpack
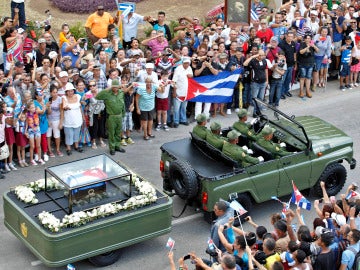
(356, 264)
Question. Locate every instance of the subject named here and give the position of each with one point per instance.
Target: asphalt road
(190, 231)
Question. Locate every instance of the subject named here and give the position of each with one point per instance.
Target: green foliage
(32, 26)
(78, 30)
(147, 31)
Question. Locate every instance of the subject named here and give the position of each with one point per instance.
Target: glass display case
(88, 183)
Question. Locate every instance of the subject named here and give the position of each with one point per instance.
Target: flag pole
(238, 216)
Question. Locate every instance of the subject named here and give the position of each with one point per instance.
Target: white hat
(314, 12)
(149, 65)
(63, 74)
(340, 219)
(335, 6)
(53, 54)
(20, 30)
(186, 60)
(69, 86)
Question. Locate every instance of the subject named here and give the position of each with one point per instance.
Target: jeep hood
(321, 133)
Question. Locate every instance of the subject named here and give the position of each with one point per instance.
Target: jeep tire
(105, 259)
(334, 177)
(183, 179)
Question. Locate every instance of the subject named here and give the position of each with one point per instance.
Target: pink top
(156, 46)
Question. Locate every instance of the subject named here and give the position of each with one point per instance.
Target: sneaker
(7, 168)
(94, 146)
(33, 162)
(41, 161)
(12, 167)
(165, 127)
(351, 85)
(25, 163)
(342, 88)
(129, 141)
(102, 144)
(237, 110)
(228, 111)
(46, 157)
(356, 85)
(348, 86)
(123, 142)
(21, 164)
(158, 127)
(36, 157)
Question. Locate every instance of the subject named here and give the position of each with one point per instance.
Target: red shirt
(265, 35)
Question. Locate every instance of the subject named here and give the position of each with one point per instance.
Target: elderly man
(200, 129)
(157, 43)
(115, 107)
(237, 153)
(243, 127)
(97, 24)
(267, 143)
(214, 138)
(180, 78)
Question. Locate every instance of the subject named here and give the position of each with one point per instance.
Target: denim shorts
(127, 123)
(319, 63)
(344, 70)
(306, 72)
(34, 133)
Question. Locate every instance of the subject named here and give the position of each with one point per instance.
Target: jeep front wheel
(183, 179)
(334, 177)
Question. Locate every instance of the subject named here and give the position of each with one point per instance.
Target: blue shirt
(348, 256)
(43, 122)
(346, 56)
(146, 100)
(336, 35)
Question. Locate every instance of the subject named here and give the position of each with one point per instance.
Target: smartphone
(312, 42)
(321, 200)
(186, 257)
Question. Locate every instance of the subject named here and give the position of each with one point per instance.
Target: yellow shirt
(99, 24)
(271, 259)
(62, 39)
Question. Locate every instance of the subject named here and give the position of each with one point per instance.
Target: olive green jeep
(197, 172)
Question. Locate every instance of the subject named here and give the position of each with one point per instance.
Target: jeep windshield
(287, 128)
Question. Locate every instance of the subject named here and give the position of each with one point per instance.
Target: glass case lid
(87, 171)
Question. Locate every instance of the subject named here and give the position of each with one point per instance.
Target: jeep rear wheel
(183, 180)
(334, 177)
(106, 259)
(245, 201)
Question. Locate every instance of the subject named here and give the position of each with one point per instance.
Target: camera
(333, 18)
(281, 63)
(321, 200)
(196, 60)
(83, 39)
(188, 34)
(186, 257)
(208, 59)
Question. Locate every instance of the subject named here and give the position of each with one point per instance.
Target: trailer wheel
(106, 259)
(334, 177)
(183, 179)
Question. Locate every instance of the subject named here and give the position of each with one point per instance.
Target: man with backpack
(350, 258)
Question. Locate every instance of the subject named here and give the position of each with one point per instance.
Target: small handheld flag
(298, 199)
(170, 244)
(351, 194)
(238, 207)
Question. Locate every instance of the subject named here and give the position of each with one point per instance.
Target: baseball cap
(340, 219)
(149, 65)
(41, 40)
(63, 74)
(20, 30)
(186, 60)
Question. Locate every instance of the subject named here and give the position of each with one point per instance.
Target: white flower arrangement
(25, 194)
(76, 219)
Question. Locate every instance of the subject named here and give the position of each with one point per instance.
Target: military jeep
(197, 172)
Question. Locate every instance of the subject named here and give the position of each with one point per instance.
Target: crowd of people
(330, 242)
(52, 85)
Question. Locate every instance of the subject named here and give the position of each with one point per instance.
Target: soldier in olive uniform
(237, 153)
(266, 142)
(214, 138)
(200, 129)
(243, 127)
(115, 108)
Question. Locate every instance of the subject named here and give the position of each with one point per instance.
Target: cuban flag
(213, 88)
(351, 194)
(254, 15)
(170, 244)
(238, 207)
(298, 199)
(211, 244)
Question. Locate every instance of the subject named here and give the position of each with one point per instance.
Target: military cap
(242, 113)
(232, 135)
(267, 130)
(201, 118)
(115, 83)
(215, 126)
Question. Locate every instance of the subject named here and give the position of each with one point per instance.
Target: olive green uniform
(273, 148)
(115, 108)
(246, 130)
(237, 153)
(200, 131)
(215, 140)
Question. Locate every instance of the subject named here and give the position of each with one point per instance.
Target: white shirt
(130, 26)
(181, 80)
(143, 75)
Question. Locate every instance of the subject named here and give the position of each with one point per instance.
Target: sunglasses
(352, 22)
(91, 85)
(215, 49)
(100, 9)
